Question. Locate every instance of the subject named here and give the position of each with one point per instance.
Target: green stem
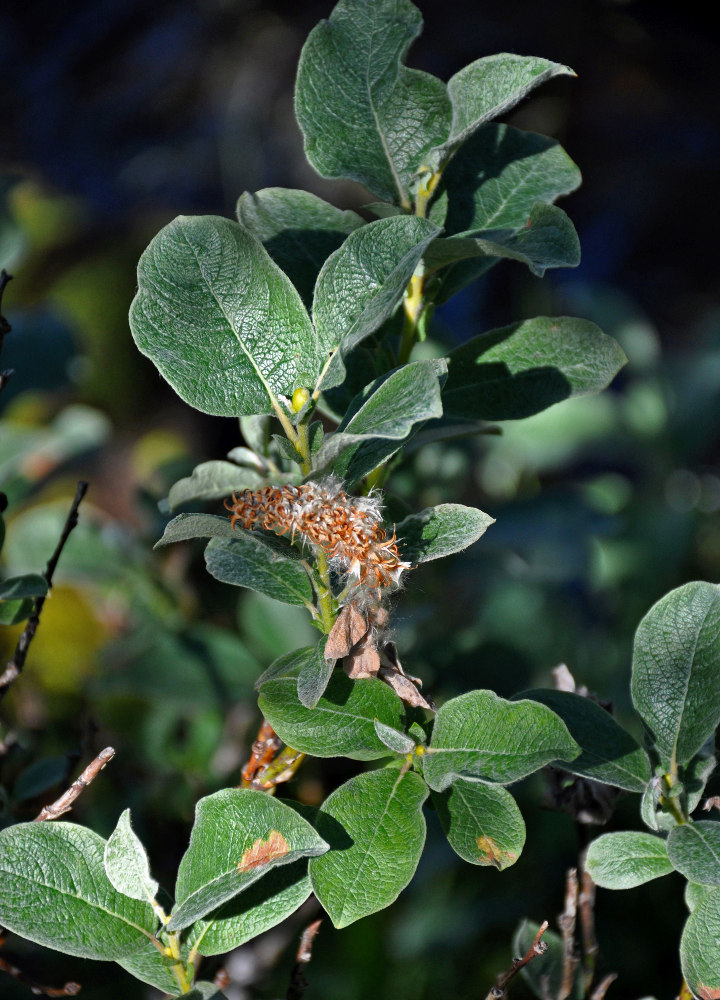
(413, 306)
(179, 970)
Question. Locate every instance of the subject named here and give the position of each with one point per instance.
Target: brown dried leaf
(364, 660)
(490, 854)
(708, 992)
(349, 628)
(263, 852)
(404, 687)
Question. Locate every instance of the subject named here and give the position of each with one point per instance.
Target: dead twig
(712, 803)
(538, 947)
(263, 750)
(269, 765)
(68, 990)
(65, 802)
(602, 987)
(298, 981)
(586, 905)
(16, 664)
(566, 923)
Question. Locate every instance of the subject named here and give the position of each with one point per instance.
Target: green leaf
(609, 753)
(548, 239)
(126, 862)
(314, 676)
(55, 892)
(652, 812)
(393, 739)
(252, 560)
(497, 178)
(212, 481)
(385, 415)
(481, 822)
(694, 850)
(545, 973)
(521, 369)
(186, 526)
(289, 664)
(624, 860)
(264, 905)
(376, 831)
(696, 894)
(700, 949)
(341, 725)
(238, 836)
(676, 670)
(220, 320)
(17, 588)
(440, 531)
(12, 612)
(360, 285)
(363, 115)
(298, 230)
(486, 89)
(150, 966)
(479, 735)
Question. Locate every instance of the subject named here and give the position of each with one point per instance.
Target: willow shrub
(300, 320)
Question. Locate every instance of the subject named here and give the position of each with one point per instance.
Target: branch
(586, 903)
(298, 982)
(566, 923)
(16, 664)
(68, 990)
(65, 802)
(538, 947)
(602, 987)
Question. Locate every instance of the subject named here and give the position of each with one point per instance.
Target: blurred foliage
(125, 115)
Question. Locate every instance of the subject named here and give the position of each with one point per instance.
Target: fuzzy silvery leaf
(376, 831)
(239, 836)
(486, 89)
(624, 860)
(342, 722)
(212, 481)
(479, 735)
(298, 230)
(126, 862)
(609, 753)
(55, 892)
(519, 370)
(220, 320)
(700, 949)
(362, 113)
(676, 670)
(361, 284)
(482, 823)
(440, 531)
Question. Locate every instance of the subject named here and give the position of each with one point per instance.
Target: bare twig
(68, 990)
(65, 802)
(602, 987)
(566, 923)
(16, 664)
(298, 982)
(538, 947)
(586, 905)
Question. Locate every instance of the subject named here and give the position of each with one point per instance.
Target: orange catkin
(347, 529)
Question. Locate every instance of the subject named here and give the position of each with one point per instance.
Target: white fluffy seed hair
(347, 529)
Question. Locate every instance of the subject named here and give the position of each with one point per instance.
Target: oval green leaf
(624, 860)
(694, 850)
(676, 670)
(479, 735)
(700, 949)
(55, 892)
(376, 831)
(341, 724)
(220, 320)
(482, 823)
(238, 836)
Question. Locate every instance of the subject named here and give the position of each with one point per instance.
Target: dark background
(117, 116)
